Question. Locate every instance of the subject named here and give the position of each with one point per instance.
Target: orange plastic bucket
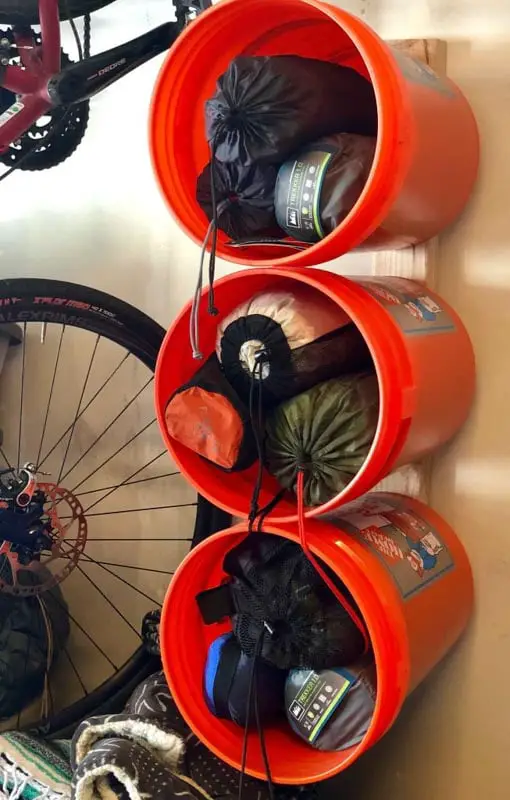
(411, 578)
(427, 151)
(422, 355)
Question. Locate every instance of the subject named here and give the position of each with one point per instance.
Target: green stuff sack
(328, 431)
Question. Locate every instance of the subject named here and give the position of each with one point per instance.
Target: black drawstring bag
(245, 196)
(267, 107)
(317, 188)
(326, 432)
(208, 417)
(300, 338)
(278, 602)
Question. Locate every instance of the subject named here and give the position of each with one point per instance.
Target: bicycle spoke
(22, 388)
(114, 420)
(50, 395)
(5, 458)
(134, 566)
(134, 539)
(132, 510)
(75, 670)
(103, 385)
(82, 629)
(123, 580)
(73, 424)
(112, 605)
(127, 482)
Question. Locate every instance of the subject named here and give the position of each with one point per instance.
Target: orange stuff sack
(207, 416)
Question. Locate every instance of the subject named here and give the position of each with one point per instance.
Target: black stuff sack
(26, 652)
(244, 198)
(280, 607)
(227, 684)
(327, 432)
(332, 709)
(267, 107)
(317, 188)
(287, 341)
(207, 416)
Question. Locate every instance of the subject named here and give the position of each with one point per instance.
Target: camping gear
(427, 150)
(206, 416)
(267, 107)
(34, 630)
(317, 188)
(227, 681)
(326, 432)
(414, 613)
(331, 709)
(423, 360)
(286, 341)
(33, 768)
(244, 198)
(281, 608)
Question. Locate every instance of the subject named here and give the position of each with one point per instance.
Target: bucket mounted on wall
(422, 355)
(427, 151)
(411, 579)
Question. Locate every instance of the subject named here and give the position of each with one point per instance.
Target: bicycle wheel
(94, 542)
(12, 11)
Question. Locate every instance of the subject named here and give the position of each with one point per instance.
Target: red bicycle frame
(40, 84)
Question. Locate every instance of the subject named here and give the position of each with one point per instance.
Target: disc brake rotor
(49, 568)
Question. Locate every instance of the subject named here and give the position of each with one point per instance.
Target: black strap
(216, 604)
(229, 660)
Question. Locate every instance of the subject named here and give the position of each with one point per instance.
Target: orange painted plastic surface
(409, 635)
(427, 150)
(426, 379)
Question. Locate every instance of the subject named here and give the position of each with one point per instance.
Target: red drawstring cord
(325, 577)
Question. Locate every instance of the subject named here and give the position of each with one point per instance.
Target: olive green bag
(328, 431)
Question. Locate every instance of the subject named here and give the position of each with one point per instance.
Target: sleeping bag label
(316, 700)
(411, 306)
(408, 546)
(298, 195)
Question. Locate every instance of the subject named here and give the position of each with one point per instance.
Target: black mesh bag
(278, 595)
(298, 339)
(317, 188)
(244, 198)
(267, 107)
(207, 416)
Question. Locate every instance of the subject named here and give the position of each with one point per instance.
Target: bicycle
(44, 97)
(91, 506)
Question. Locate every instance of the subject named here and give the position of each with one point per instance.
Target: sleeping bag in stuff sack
(327, 432)
(244, 198)
(227, 681)
(332, 709)
(207, 416)
(25, 652)
(267, 107)
(287, 341)
(281, 608)
(317, 188)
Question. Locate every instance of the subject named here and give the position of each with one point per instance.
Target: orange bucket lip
(427, 145)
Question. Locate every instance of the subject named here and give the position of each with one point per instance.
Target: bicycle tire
(43, 300)
(12, 11)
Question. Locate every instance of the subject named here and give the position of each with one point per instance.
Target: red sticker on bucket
(415, 310)
(409, 547)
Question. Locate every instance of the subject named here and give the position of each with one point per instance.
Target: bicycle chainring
(67, 127)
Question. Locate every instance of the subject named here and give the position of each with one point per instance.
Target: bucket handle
(353, 614)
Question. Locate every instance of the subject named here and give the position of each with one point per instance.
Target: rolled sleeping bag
(208, 417)
(317, 188)
(287, 341)
(227, 682)
(327, 432)
(332, 709)
(244, 199)
(267, 107)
